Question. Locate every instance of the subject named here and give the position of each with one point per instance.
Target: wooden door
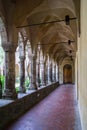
(67, 74)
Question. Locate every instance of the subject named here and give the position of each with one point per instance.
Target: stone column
(43, 75)
(53, 72)
(50, 72)
(37, 73)
(46, 73)
(9, 91)
(22, 74)
(33, 73)
(56, 72)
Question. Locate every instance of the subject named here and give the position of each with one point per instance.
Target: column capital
(9, 47)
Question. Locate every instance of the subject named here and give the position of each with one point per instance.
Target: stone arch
(3, 32)
(3, 29)
(62, 63)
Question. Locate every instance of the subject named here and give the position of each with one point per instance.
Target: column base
(22, 90)
(38, 85)
(33, 87)
(43, 84)
(9, 94)
(49, 82)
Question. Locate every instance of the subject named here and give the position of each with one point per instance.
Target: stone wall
(82, 66)
(19, 106)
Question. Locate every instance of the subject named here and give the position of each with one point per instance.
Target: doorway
(67, 73)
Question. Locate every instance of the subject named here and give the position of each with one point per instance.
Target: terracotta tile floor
(58, 111)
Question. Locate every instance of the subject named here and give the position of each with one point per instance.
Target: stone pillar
(9, 91)
(56, 72)
(43, 75)
(33, 73)
(53, 72)
(46, 73)
(37, 73)
(22, 74)
(49, 72)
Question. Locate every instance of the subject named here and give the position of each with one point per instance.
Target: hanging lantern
(69, 42)
(67, 19)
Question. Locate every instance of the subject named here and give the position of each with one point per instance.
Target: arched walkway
(58, 111)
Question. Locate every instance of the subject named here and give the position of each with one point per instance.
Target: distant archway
(67, 73)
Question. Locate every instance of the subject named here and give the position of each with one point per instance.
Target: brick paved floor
(58, 111)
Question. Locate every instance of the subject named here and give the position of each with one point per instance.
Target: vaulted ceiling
(53, 37)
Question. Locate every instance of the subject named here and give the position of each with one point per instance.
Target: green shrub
(17, 89)
(27, 82)
(3, 81)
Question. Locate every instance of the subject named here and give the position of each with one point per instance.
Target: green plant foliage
(27, 82)
(17, 89)
(2, 78)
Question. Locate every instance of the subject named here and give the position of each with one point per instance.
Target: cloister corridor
(58, 111)
(43, 64)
